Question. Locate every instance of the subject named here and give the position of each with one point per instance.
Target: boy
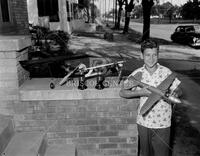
(154, 127)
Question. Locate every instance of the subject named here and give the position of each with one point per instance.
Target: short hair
(149, 44)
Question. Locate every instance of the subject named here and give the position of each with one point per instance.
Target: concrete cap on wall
(14, 43)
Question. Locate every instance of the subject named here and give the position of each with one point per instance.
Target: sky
(109, 4)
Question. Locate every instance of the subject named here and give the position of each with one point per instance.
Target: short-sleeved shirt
(160, 115)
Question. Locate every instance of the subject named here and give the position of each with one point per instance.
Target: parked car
(188, 35)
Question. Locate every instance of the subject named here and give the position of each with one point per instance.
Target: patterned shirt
(160, 115)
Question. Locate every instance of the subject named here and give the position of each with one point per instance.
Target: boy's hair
(149, 44)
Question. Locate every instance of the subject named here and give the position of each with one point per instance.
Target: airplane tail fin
(133, 81)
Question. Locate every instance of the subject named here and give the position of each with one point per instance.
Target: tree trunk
(146, 6)
(93, 12)
(88, 15)
(127, 21)
(119, 18)
(170, 19)
(129, 7)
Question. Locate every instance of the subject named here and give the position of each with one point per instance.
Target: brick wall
(20, 15)
(19, 18)
(99, 126)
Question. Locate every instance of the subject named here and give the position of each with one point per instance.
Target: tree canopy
(191, 10)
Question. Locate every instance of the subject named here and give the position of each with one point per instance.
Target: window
(48, 8)
(5, 17)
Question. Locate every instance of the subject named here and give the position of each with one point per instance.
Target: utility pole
(108, 8)
(113, 11)
(105, 10)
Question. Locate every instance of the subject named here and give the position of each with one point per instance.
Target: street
(162, 31)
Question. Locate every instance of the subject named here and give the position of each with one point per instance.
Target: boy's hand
(176, 93)
(145, 91)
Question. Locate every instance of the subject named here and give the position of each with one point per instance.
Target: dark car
(188, 35)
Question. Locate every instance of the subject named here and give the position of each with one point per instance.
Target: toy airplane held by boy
(156, 93)
(93, 71)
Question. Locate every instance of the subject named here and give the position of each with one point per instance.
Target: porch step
(26, 144)
(60, 150)
(6, 131)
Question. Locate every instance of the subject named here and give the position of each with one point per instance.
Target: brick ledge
(38, 89)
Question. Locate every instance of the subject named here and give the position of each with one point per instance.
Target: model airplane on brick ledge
(161, 92)
(99, 71)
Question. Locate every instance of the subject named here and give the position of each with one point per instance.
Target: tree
(95, 12)
(146, 6)
(120, 4)
(169, 12)
(89, 6)
(191, 10)
(85, 5)
(138, 11)
(128, 8)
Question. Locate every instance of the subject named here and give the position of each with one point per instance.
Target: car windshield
(189, 29)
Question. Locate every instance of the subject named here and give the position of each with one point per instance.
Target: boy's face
(150, 57)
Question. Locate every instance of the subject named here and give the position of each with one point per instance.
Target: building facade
(63, 15)
(13, 17)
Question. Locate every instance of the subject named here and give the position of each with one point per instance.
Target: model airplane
(156, 93)
(99, 71)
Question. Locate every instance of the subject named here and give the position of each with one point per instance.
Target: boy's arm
(132, 93)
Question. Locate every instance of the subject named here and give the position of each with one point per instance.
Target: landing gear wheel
(52, 85)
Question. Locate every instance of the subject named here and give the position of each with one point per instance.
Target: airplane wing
(151, 101)
(68, 75)
(154, 97)
(167, 82)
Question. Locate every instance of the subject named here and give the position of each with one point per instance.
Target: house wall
(63, 24)
(19, 18)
